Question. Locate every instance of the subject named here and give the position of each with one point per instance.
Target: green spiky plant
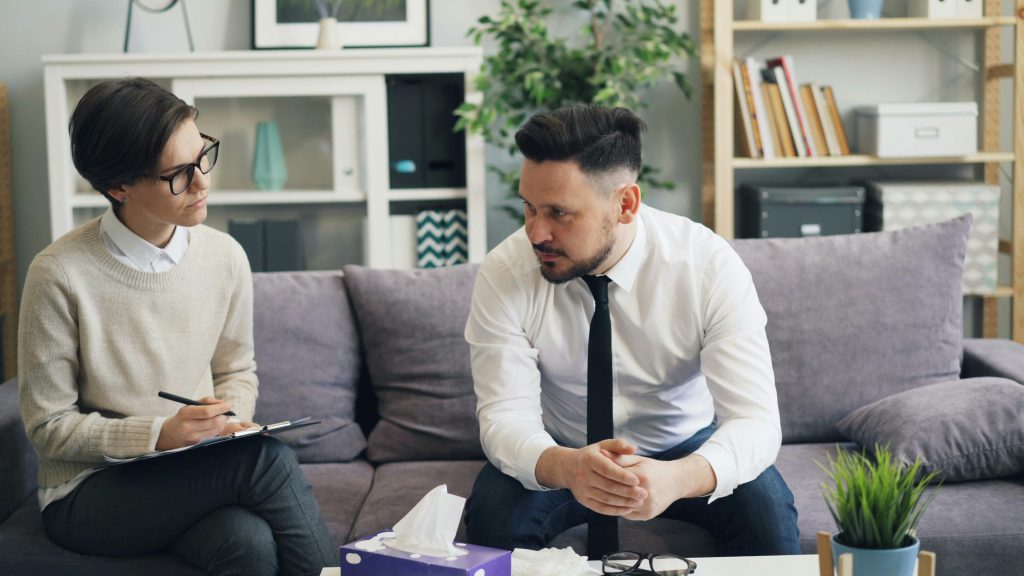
(626, 47)
(875, 502)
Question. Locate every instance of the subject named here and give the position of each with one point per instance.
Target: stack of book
(776, 117)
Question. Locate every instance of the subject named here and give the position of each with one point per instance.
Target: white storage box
(896, 205)
(783, 10)
(918, 129)
(932, 8)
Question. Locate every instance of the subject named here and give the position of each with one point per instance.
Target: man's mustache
(547, 249)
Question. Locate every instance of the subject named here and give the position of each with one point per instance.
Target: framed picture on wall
(361, 23)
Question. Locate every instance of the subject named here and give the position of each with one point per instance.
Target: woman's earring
(124, 201)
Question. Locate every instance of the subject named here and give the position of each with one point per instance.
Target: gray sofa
(379, 356)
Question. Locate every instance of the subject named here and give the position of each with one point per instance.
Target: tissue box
(370, 560)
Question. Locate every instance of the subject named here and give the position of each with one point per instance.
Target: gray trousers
(241, 507)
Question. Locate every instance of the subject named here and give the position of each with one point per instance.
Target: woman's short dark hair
(597, 139)
(119, 130)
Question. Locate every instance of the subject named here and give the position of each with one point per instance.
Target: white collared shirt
(688, 342)
(138, 254)
(131, 250)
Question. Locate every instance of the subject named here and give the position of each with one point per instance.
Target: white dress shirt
(138, 254)
(688, 343)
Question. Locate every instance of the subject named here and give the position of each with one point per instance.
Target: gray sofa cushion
(340, 490)
(412, 324)
(398, 486)
(974, 527)
(853, 319)
(966, 429)
(307, 359)
(993, 357)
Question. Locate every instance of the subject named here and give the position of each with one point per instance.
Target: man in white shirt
(694, 409)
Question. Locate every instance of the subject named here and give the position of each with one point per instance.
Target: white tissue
(430, 527)
(549, 562)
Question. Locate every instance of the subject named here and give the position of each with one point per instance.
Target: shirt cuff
(529, 455)
(154, 433)
(724, 466)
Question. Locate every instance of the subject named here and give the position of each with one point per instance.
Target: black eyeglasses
(661, 564)
(179, 180)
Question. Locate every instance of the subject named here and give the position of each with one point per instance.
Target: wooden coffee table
(803, 565)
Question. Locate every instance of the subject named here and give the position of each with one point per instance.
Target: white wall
(864, 68)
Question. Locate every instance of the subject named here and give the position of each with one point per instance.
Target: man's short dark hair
(119, 130)
(597, 139)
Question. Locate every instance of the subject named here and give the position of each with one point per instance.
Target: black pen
(184, 400)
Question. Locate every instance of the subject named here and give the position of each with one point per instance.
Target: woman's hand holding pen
(193, 423)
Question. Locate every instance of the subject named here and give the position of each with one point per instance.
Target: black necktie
(602, 531)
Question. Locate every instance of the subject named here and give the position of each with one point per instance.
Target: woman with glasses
(141, 300)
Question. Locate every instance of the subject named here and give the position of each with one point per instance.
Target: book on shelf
(788, 105)
(788, 69)
(752, 69)
(778, 114)
(744, 119)
(837, 119)
(825, 118)
(813, 121)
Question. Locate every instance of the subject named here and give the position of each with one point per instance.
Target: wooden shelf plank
(864, 160)
(879, 24)
(1000, 292)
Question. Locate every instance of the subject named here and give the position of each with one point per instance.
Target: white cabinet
(331, 108)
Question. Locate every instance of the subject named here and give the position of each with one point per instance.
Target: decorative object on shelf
(268, 168)
(328, 38)
(866, 9)
(170, 4)
(898, 205)
(530, 70)
(362, 23)
(441, 238)
(876, 502)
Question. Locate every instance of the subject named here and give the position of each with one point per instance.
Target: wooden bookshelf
(8, 269)
(879, 24)
(718, 30)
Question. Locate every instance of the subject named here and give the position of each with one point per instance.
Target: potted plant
(876, 504)
(625, 47)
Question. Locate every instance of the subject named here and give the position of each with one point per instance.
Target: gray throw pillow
(968, 429)
(412, 324)
(307, 360)
(856, 318)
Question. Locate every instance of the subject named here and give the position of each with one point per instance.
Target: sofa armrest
(993, 357)
(18, 460)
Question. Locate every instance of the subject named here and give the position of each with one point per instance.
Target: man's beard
(577, 269)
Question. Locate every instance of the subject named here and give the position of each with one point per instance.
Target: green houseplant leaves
(625, 47)
(876, 503)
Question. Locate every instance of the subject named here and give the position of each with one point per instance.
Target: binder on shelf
(250, 234)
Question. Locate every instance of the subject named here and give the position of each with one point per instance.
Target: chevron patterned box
(441, 238)
(895, 205)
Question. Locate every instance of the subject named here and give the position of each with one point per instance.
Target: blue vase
(867, 562)
(268, 169)
(866, 9)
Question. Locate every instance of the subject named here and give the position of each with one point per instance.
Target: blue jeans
(757, 519)
(236, 508)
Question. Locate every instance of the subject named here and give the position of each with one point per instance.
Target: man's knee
(764, 511)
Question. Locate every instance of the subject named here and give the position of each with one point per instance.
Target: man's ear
(628, 198)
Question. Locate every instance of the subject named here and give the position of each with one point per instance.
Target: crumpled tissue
(549, 562)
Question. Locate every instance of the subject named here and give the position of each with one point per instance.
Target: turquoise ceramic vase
(866, 9)
(868, 562)
(268, 169)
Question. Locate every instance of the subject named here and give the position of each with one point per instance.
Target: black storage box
(787, 212)
(424, 149)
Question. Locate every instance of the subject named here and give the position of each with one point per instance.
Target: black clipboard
(247, 433)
